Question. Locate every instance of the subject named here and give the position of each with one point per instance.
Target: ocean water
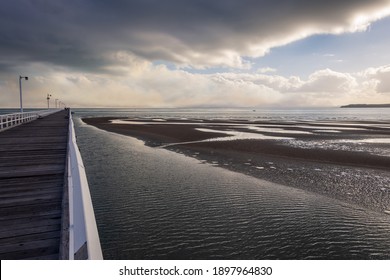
(333, 114)
(151, 203)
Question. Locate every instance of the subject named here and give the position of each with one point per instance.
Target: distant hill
(366, 106)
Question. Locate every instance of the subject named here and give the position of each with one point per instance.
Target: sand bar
(345, 165)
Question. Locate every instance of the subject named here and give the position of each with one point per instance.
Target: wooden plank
(29, 171)
(29, 245)
(21, 239)
(32, 140)
(31, 187)
(44, 257)
(27, 193)
(34, 209)
(30, 249)
(17, 217)
(19, 229)
(14, 184)
(37, 198)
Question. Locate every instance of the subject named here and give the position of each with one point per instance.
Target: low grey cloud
(84, 34)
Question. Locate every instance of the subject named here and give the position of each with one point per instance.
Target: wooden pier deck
(32, 178)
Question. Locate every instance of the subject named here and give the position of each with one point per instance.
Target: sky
(195, 53)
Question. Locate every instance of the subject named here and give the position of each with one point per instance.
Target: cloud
(141, 84)
(83, 34)
(266, 70)
(144, 84)
(322, 88)
(379, 77)
(114, 53)
(328, 81)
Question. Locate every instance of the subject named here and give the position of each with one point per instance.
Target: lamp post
(62, 104)
(56, 102)
(20, 91)
(48, 100)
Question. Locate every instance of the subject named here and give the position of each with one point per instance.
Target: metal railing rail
(11, 120)
(84, 242)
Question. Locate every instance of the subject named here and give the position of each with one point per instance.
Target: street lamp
(48, 100)
(20, 91)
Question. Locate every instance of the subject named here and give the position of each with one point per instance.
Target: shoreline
(351, 176)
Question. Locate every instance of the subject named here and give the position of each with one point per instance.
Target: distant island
(366, 106)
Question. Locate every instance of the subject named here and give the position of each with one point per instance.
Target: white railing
(11, 120)
(84, 242)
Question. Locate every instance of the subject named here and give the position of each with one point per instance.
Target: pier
(45, 206)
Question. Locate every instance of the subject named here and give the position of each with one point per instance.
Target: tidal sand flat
(348, 161)
(152, 203)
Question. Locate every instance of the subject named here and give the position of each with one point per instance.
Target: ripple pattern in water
(155, 204)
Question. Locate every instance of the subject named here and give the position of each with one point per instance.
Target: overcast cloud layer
(114, 44)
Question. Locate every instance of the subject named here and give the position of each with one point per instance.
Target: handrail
(84, 242)
(11, 120)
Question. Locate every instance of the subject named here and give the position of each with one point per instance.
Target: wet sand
(346, 161)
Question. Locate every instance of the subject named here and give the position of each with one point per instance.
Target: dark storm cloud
(83, 33)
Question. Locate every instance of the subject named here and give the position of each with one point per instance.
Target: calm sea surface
(155, 204)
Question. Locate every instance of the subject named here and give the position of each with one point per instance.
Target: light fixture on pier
(20, 91)
(48, 100)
